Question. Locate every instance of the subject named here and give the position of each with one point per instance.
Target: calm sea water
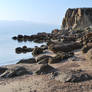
(7, 45)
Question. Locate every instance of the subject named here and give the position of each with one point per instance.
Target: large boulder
(45, 69)
(73, 76)
(2, 70)
(18, 71)
(60, 56)
(36, 51)
(65, 47)
(24, 49)
(27, 61)
(43, 59)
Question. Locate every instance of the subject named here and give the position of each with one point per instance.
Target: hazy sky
(39, 11)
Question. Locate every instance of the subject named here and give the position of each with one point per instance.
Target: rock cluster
(24, 49)
(75, 34)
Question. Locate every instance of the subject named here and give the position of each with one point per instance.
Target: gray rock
(27, 61)
(36, 51)
(73, 76)
(45, 69)
(18, 71)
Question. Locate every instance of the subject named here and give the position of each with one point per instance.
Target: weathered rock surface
(60, 56)
(73, 76)
(77, 18)
(24, 49)
(65, 47)
(43, 59)
(45, 69)
(89, 55)
(37, 50)
(27, 61)
(87, 47)
(18, 71)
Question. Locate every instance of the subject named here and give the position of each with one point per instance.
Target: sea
(8, 29)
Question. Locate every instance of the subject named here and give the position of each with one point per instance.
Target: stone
(45, 69)
(36, 51)
(86, 47)
(60, 56)
(65, 47)
(27, 61)
(18, 50)
(2, 70)
(73, 76)
(18, 71)
(24, 49)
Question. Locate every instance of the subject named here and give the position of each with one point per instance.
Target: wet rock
(65, 47)
(18, 50)
(73, 76)
(14, 38)
(20, 38)
(36, 51)
(24, 49)
(27, 61)
(18, 71)
(60, 56)
(45, 69)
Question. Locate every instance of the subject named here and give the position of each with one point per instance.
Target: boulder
(60, 56)
(36, 51)
(73, 76)
(14, 38)
(86, 47)
(27, 61)
(43, 59)
(45, 69)
(2, 70)
(18, 71)
(65, 47)
(24, 49)
(18, 50)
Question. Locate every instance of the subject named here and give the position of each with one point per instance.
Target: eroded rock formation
(77, 18)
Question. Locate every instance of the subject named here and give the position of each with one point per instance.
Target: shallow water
(7, 45)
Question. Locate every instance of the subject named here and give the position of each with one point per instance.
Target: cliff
(77, 18)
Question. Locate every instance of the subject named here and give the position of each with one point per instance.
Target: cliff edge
(77, 18)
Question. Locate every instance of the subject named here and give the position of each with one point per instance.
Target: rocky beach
(63, 63)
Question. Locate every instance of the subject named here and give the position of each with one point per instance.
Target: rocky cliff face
(77, 18)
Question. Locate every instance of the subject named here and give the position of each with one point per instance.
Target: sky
(38, 11)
